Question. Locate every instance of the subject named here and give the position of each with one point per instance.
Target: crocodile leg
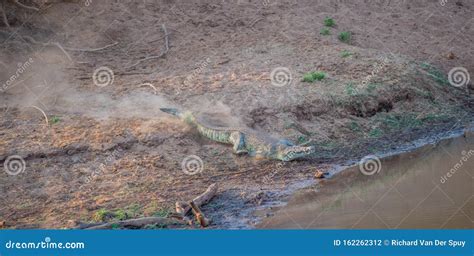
(238, 140)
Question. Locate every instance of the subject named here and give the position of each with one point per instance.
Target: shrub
(329, 22)
(313, 76)
(345, 36)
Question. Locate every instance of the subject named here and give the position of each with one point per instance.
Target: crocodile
(245, 141)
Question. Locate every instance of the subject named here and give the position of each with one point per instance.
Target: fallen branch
(200, 218)
(136, 223)
(25, 6)
(167, 47)
(91, 49)
(255, 22)
(63, 49)
(44, 114)
(32, 40)
(184, 207)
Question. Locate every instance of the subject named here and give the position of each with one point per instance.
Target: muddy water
(431, 187)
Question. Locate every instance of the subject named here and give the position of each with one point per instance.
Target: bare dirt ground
(107, 151)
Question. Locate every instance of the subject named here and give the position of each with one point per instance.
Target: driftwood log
(184, 207)
(200, 218)
(134, 223)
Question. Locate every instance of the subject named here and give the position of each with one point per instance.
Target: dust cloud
(42, 81)
(47, 87)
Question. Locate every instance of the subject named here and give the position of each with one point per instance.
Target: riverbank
(429, 187)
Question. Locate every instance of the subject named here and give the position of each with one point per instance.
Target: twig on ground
(91, 49)
(167, 44)
(165, 51)
(25, 6)
(32, 40)
(134, 223)
(4, 15)
(255, 22)
(44, 114)
(184, 207)
(65, 49)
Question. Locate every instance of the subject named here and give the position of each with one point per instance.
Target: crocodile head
(294, 152)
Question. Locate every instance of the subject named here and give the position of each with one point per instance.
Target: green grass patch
(55, 119)
(435, 74)
(375, 133)
(115, 226)
(120, 215)
(355, 127)
(371, 87)
(369, 90)
(325, 31)
(351, 90)
(162, 213)
(345, 37)
(401, 121)
(435, 118)
(329, 22)
(313, 76)
(101, 215)
(346, 53)
(133, 211)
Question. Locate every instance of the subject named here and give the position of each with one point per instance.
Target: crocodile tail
(172, 111)
(186, 116)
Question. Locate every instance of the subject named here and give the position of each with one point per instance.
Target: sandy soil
(109, 149)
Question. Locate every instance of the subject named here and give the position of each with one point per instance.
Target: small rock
(450, 55)
(319, 174)
(72, 223)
